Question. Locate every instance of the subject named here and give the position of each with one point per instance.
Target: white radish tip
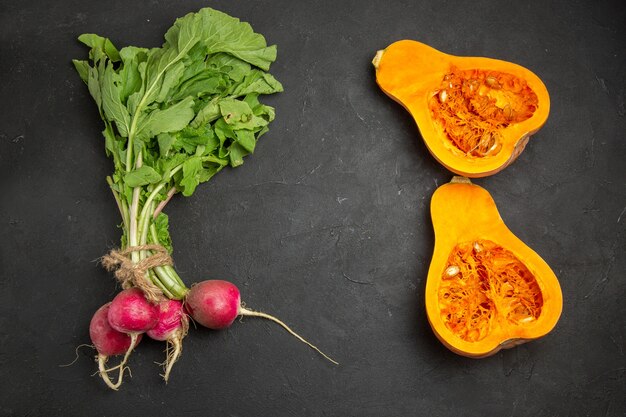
(245, 312)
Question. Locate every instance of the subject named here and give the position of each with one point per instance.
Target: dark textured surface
(336, 193)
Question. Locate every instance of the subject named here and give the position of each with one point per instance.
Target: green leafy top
(176, 115)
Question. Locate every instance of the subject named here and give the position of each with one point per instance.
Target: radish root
(76, 358)
(174, 349)
(104, 372)
(245, 312)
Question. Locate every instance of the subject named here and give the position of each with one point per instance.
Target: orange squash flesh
(508, 105)
(486, 290)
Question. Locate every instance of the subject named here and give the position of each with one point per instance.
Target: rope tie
(131, 274)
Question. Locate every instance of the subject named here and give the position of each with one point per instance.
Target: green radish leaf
(142, 176)
(130, 76)
(100, 46)
(237, 152)
(223, 33)
(171, 79)
(171, 119)
(93, 84)
(257, 82)
(111, 145)
(207, 173)
(190, 180)
(163, 69)
(166, 166)
(235, 68)
(246, 139)
(207, 114)
(165, 141)
(135, 98)
(112, 105)
(202, 84)
(163, 235)
(82, 67)
(235, 112)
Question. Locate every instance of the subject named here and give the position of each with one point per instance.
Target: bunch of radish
(173, 118)
(118, 326)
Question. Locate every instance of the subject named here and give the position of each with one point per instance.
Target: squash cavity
(485, 286)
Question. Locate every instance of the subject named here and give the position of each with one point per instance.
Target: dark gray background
(337, 192)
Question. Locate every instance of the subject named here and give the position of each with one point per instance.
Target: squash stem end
(377, 58)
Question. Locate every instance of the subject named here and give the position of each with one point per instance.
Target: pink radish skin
(216, 304)
(107, 340)
(169, 320)
(130, 312)
(172, 327)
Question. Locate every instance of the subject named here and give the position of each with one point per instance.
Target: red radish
(109, 342)
(216, 304)
(169, 320)
(129, 313)
(172, 326)
(132, 313)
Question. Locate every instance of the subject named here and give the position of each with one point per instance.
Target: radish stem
(134, 210)
(163, 203)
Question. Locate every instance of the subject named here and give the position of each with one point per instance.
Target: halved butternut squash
(475, 114)
(486, 290)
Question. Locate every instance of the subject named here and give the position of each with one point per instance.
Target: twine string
(134, 274)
